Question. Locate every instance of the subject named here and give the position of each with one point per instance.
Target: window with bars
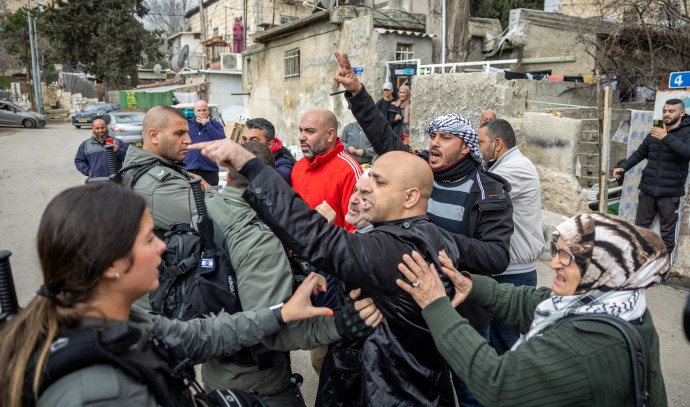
(287, 19)
(403, 52)
(291, 66)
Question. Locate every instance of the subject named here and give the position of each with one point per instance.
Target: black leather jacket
(398, 364)
(487, 225)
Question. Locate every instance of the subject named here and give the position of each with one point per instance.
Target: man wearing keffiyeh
(465, 199)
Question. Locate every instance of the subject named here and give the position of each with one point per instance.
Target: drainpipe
(443, 34)
(203, 38)
(244, 24)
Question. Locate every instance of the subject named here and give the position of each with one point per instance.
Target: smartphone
(658, 123)
(109, 141)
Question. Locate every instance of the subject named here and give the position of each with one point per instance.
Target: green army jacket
(167, 192)
(105, 385)
(264, 279)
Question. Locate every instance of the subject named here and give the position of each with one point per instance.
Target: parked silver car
(13, 115)
(127, 126)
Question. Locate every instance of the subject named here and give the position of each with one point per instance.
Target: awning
(403, 32)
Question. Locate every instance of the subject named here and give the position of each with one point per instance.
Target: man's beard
(101, 139)
(674, 121)
(314, 150)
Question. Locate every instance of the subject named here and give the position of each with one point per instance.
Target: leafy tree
(501, 8)
(103, 37)
(638, 40)
(14, 44)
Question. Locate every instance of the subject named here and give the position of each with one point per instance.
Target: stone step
(57, 115)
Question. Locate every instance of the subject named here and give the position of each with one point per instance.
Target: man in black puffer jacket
(662, 186)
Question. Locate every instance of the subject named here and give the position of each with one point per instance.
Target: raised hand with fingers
(427, 286)
(345, 75)
(300, 306)
(461, 281)
(326, 211)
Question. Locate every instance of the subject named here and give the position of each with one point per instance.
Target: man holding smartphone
(91, 159)
(667, 150)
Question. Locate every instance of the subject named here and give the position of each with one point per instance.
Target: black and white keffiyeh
(628, 305)
(459, 125)
(616, 259)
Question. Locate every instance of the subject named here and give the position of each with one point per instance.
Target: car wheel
(79, 127)
(29, 124)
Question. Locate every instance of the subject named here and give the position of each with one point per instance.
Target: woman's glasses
(565, 257)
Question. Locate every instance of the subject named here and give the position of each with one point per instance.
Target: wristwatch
(276, 312)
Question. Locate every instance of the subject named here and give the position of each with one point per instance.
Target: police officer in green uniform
(165, 184)
(93, 272)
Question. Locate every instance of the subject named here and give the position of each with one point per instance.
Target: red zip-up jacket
(331, 178)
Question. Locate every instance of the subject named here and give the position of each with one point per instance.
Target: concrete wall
(283, 102)
(219, 92)
(471, 93)
(548, 140)
(535, 34)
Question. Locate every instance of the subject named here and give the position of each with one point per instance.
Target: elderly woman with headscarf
(602, 264)
(403, 103)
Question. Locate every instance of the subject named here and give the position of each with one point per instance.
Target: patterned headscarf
(612, 253)
(616, 260)
(458, 124)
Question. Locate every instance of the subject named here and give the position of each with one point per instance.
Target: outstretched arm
(373, 123)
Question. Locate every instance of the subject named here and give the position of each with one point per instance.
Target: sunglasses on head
(565, 257)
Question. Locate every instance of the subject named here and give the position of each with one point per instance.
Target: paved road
(36, 164)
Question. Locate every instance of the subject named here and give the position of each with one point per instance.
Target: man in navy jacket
(203, 128)
(91, 159)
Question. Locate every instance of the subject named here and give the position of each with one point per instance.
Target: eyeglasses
(565, 257)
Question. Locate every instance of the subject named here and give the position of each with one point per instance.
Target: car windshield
(93, 108)
(134, 117)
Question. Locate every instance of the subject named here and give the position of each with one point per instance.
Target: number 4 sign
(679, 80)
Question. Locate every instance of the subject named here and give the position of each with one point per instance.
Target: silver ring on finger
(415, 285)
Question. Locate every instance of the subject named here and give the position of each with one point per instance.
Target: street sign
(359, 70)
(679, 80)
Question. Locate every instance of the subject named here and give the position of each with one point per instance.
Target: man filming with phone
(91, 159)
(667, 150)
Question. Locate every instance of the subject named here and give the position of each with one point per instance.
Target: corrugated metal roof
(403, 32)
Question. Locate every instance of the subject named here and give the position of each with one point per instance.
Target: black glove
(348, 322)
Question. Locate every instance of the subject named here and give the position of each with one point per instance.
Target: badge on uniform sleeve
(207, 263)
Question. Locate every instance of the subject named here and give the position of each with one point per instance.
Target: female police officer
(80, 341)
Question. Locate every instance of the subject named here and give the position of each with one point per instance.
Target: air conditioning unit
(231, 62)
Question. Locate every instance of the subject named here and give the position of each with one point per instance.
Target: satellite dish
(178, 61)
(157, 68)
